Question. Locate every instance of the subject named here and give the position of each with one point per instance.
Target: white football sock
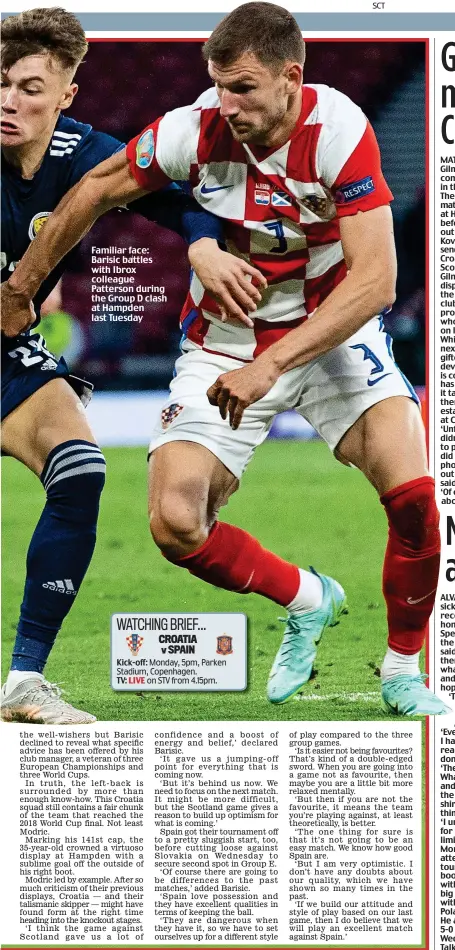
(309, 594)
(396, 664)
(17, 676)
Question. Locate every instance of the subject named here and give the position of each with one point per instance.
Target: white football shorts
(331, 392)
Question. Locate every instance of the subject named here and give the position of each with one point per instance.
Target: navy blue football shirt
(74, 149)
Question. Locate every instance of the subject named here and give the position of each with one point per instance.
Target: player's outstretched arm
(106, 186)
(368, 288)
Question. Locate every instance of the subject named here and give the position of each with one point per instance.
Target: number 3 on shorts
(378, 367)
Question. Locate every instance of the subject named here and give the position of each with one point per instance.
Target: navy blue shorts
(27, 365)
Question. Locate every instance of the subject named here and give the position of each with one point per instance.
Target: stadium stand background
(126, 85)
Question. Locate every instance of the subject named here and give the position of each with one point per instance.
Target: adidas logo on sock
(49, 364)
(62, 587)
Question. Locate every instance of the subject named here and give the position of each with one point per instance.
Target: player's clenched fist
(17, 311)
(233, 392)
(232, 281)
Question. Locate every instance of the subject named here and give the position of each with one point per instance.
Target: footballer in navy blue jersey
(74, 149)
(44, 155)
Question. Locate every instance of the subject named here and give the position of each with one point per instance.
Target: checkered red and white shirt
(281, 206)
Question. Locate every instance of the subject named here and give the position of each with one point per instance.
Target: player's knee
(177, 526)
(74, 477)
(413, 514)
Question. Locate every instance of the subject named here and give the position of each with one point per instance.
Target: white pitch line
(346, 697)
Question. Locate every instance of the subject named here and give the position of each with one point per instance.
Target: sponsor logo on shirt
(207, 189)
(145, 149)
(37, 222)
(357, 189)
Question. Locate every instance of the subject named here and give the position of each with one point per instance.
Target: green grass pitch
(300, 503)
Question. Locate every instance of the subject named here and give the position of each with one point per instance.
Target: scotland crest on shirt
(37, 222)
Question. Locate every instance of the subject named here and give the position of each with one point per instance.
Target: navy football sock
(60, 550)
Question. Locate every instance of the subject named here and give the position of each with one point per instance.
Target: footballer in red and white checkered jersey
(282, 206)
(294, 172)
